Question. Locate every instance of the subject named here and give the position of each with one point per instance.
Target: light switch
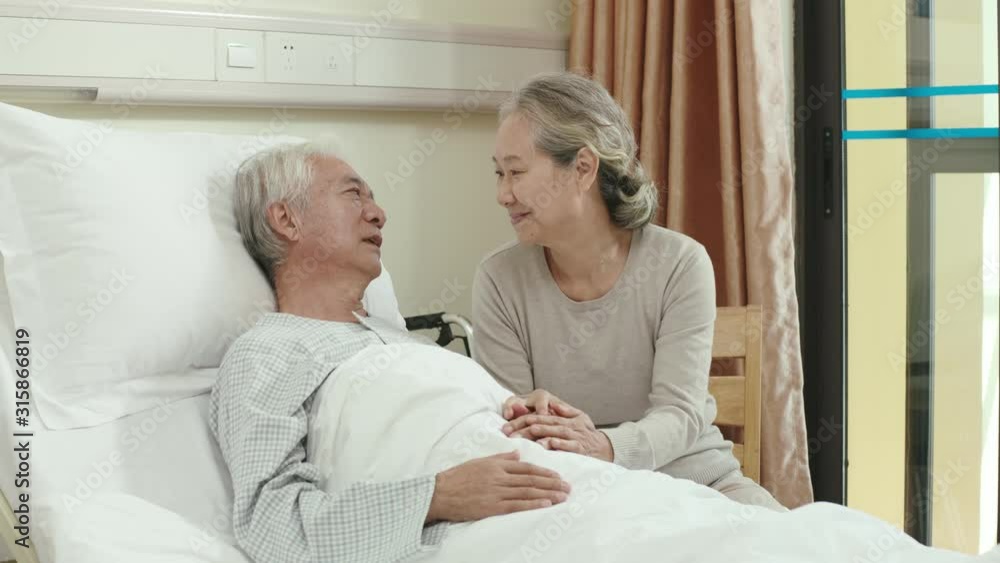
(241, 56)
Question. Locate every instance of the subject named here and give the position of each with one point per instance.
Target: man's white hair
(282, 173)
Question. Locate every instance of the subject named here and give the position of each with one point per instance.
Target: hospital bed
(177, 471)
(132, 472)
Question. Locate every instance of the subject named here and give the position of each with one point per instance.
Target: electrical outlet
(305, 58)
(288, 57)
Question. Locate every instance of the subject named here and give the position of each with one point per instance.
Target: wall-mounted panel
(197, 58)
(83, 48)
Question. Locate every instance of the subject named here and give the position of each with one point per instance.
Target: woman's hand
(568, 429)
(538, 401)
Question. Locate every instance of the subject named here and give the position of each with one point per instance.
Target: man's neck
(334, 298)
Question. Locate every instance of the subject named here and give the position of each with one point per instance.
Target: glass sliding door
(920, 226)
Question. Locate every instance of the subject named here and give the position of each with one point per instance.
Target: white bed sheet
(122, 528)
(158, 471)
(429, 409)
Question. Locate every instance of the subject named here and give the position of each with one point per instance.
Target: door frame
(821, 199)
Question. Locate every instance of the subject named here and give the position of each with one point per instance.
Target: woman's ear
(283, 221)
(586, 167)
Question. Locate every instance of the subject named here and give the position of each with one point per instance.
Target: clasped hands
(502, 483)
(555, 425)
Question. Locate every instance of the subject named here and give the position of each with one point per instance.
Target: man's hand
(489, 486)
(538, 401)
(567, 428)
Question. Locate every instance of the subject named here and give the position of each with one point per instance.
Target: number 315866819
(22, 361)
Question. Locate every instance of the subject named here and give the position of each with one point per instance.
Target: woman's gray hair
(282, 173)
(568, 112)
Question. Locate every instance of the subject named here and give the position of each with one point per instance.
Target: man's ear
(585, 168)
(283, 221)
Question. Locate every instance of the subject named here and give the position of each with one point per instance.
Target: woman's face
(541, 197)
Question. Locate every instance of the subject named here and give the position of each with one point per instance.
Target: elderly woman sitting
(312, 224)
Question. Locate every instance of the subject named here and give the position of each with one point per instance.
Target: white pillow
(122, 259)
(379, 300)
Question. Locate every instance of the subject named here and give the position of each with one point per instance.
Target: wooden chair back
(738, 335)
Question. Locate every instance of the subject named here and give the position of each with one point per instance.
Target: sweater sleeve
(497, 345)
(683, 356)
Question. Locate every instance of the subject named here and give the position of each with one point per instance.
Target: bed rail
(443, 323)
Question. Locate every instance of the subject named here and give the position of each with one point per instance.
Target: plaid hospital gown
(258, 413)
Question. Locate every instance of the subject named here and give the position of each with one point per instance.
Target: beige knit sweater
(636, 359)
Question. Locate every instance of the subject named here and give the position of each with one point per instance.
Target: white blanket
(399, 411)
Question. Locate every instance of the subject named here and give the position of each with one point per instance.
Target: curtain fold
(703, 85)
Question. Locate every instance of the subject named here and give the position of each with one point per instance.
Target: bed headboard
(738, 335)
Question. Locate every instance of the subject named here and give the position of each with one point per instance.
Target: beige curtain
(702, 82)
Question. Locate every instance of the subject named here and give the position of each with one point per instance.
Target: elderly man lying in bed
(350, 440)
(313, 226)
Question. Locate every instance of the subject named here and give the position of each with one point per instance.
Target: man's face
(341, 224)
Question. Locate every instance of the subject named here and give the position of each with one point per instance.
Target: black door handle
(827, 171)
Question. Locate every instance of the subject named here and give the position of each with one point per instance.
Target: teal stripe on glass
(922, 91)
(954, 133)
